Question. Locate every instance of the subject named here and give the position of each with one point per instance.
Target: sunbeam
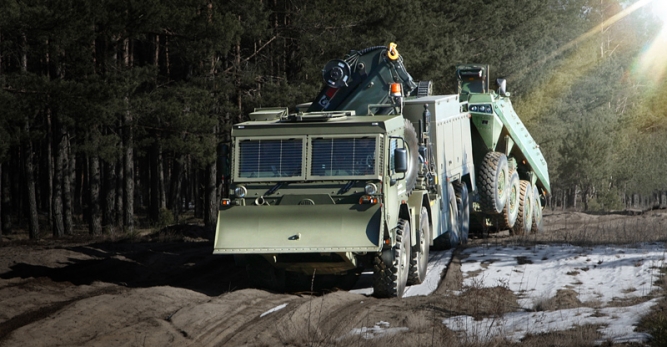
(652, 63)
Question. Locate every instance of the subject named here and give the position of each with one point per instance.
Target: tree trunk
(120, 189)
(128, 164)
(197, 193)
(176, 186)
(50, 167)
(210, 197)
(563, 200)
(69, 164)
(58, 221)
(109, 215)
(95, 223)
(78, 180)
(2, 210)
(128, 154)
(158, 199)
(29, 168)
(210, 192)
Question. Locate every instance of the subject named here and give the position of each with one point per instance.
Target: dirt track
(167, 289)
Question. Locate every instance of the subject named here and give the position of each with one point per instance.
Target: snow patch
(277, 308)
(380, 329)
(619, 323)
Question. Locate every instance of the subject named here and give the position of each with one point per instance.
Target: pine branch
(229, 69)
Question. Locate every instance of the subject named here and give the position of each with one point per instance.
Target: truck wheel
(452, 237)
(391, 268)
(511, 210)
(493, 178)
(463, 203)
(419, 254)
(536, 225)
(413, 156)
(525, 218)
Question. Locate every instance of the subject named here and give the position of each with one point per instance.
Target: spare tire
(412, 144)
(493, 182)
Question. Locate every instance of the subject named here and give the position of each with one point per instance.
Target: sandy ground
(168, 289)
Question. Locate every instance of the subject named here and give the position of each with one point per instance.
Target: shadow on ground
(180, 256)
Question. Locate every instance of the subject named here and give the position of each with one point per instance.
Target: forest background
(111, 110)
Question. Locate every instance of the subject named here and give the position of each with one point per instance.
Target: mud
(168, 289)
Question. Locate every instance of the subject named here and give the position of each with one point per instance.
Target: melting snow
(437, 264)
(597, 274)
(380, 329)
(277, 308)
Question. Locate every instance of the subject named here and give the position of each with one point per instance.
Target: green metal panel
(298, 229)
(343, 126)
(490, 126)
(524, 141)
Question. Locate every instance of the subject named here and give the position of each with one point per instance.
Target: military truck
(374, 172)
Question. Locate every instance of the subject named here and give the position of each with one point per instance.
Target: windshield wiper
(275, 188)
(346, 187)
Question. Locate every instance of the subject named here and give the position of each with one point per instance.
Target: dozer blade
(298, 229)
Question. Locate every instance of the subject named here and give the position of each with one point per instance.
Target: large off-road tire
(493, 181)
(391, 267)
(452, 237)
(411, 142)
(511, 211)
(525, 218)
(463, 204)
(537, 224)
(419, 254)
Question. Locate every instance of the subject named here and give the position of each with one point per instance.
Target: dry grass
(588, 230)
(479, 302)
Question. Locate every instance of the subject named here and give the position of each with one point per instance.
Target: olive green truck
(376, 171)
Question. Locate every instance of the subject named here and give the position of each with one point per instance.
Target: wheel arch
(411, 211)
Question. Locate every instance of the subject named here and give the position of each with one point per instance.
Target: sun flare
(652, 63)
(659, 8)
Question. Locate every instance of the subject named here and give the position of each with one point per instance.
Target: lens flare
(659, 8)
(579, 54)
(651, 65)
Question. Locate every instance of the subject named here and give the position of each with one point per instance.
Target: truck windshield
(343, 156)
(270, 158)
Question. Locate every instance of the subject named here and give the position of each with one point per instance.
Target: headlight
(371, 189)
(240, 191)
(481, 108)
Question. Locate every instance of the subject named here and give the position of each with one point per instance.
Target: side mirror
(502, 86)
(401, 160)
